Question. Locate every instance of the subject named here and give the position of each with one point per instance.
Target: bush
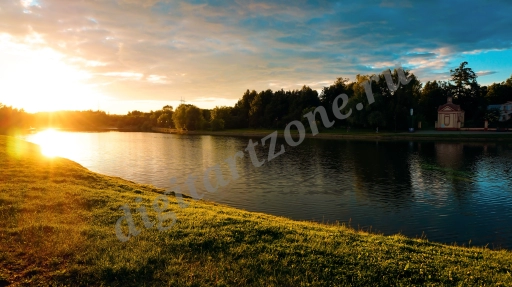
(217, 125)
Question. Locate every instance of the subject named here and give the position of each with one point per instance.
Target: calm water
(451, 192)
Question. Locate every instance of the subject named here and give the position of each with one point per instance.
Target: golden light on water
(56, 143)
(51, 143)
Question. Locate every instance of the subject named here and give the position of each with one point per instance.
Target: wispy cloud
(485, 73)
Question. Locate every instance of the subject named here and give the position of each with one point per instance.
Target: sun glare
(38, 78)
(49, 142)
(54, 143)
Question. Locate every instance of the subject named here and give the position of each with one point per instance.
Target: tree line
(275, 109)
(391, 109)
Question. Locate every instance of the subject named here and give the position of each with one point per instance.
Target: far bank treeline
(275, 109)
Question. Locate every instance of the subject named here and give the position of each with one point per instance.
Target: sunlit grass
(57, 228)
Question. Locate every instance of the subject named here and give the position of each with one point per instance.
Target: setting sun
(42, 79)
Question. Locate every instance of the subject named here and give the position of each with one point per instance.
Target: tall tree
(257, 108)
(242, 108)
(467, 93)
(463, 76)
(298, 100)
(330, 93)
(277, 109)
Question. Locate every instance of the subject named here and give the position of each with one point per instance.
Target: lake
(445, 191)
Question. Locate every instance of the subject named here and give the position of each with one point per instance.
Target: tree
(243, 107)
(180, 117)
(165, 120)
(432, 96)
(195, 118)
(467, 93)
(398, 103)
(277, 109)
(256, 111)
(508, 82)
(492, 115)
(217, 124)
(135, 113)
(499, 93)
(188, 116)
(298, 100)
(376, 119)
(12, 119)
(358, 118)
(330, 93)
(463, 76)
(466, 85)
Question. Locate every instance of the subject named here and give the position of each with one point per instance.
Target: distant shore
(342, 134)
(427, 135)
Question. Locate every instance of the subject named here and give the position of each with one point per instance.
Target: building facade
(449, 116)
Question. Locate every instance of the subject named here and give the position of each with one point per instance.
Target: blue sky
(121, 55)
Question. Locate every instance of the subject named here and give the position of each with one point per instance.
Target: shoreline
(364, 135)
(467, 136)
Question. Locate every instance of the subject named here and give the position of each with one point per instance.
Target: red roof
(453, 106)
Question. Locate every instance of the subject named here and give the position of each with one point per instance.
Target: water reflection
(452, 192)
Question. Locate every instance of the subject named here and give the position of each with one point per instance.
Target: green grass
(57, 228)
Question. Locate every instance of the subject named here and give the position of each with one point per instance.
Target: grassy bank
(57, 224)
(343, 134)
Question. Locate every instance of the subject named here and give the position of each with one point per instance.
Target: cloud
(161, 50)
(485, 73)
(124, 75)
(421, 55)
(156, 79)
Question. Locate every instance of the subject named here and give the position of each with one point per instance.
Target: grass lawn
(57, 227)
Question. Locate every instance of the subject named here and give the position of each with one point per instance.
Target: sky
(124, 55)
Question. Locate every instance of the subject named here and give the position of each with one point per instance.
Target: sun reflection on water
(51, 143)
